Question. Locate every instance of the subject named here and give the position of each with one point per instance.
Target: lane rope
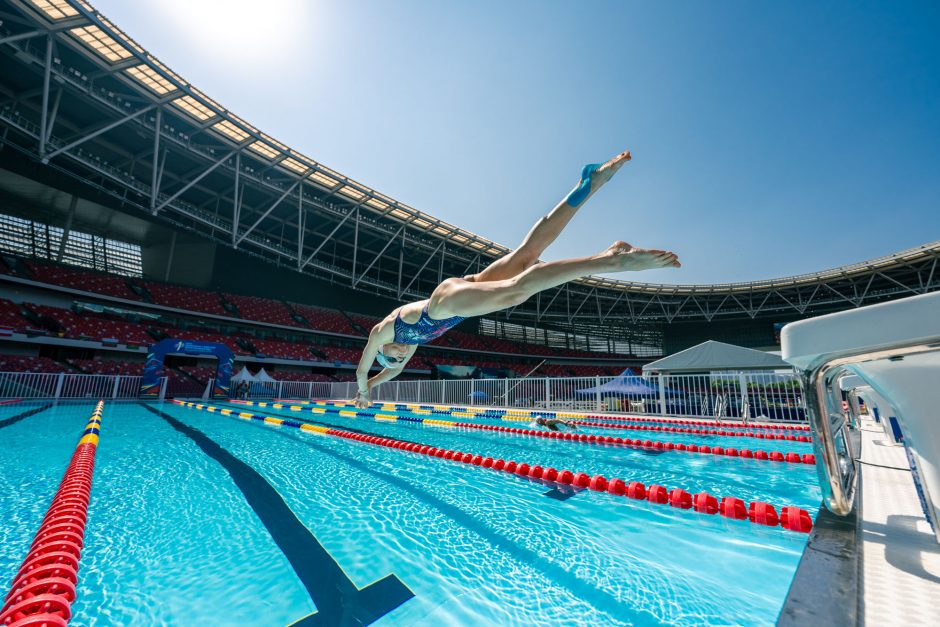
(582, 438)
(757, 512)
(579, 419)
(44, 588)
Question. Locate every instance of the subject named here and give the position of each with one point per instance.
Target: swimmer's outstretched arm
(376, 339)
(381, 334)
(387, 374)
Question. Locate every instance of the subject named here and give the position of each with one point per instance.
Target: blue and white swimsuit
(424, 330)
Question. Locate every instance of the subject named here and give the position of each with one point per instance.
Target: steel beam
(104, 129)
(379, 254)
(20, 37)
(401, 259)
(236, 200)
(325, 240)
(44, 117)
(421, 269)
(301, 227)
(440, 266)
(155, 175)
(355, 248)
(194, 181)
(268, 212)
(544, 311)
(586, 297)
(53, 113)
(73, 202)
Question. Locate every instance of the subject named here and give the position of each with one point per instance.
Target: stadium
(135, 210)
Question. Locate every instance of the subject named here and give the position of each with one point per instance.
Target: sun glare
(244, 32)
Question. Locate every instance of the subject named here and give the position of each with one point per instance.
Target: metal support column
(169, 257)
(300, 225)
(661, 381)
(742, 387)
(236, 201)
(401, 259)
(68, 228)
(154, 178)
(355, 257)
(44, 119)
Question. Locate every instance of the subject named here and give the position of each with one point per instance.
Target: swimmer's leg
(550, 226)
(458, 297)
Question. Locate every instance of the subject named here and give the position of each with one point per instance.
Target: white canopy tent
(243, 375)
(711, 355)
(264, 377)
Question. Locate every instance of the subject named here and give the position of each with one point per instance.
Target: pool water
(201, 518)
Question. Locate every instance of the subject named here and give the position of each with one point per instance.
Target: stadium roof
(83, 97)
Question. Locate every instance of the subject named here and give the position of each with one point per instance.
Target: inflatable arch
(153, 370)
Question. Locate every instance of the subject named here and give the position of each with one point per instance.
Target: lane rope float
(578, 419)
(527, 414)
(790, 518)
(582, 438)
(43, 589)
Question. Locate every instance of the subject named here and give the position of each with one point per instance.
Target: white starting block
(895, 349)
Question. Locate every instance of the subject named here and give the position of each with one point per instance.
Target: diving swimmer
(507, 282)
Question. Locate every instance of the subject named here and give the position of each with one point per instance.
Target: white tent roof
(243, 375)
(264, 376)
(712, 355)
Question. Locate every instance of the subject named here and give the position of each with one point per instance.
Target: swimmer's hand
(362, 400)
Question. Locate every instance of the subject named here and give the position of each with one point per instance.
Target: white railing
(746, 395)
(756, 396)
(283, 389)
(86, 386)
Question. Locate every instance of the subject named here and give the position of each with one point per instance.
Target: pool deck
(900, 557)
(880, 566)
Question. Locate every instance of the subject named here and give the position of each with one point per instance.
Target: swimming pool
(202, 518)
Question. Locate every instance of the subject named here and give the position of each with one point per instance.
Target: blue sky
(769, 139)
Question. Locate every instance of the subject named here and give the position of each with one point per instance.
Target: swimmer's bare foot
(593, 176)
(627, 257)
(604, 173)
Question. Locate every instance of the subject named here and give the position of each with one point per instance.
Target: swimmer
(552, 423)
(507, 282)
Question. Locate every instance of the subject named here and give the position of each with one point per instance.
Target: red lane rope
(758, 512)
(581, 438)
(611, 425)
(718, 432)
(507, 413)
(774, 456)
(43, 589)
(698, 423)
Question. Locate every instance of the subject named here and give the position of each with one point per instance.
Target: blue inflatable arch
(154, 371)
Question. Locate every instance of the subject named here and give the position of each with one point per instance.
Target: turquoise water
(177, 537)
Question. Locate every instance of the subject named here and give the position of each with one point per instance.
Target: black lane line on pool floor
(12, 420)
(338, 600)
(562, 495)
(577, 587)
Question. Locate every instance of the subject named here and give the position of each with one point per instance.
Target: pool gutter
(825, 588)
